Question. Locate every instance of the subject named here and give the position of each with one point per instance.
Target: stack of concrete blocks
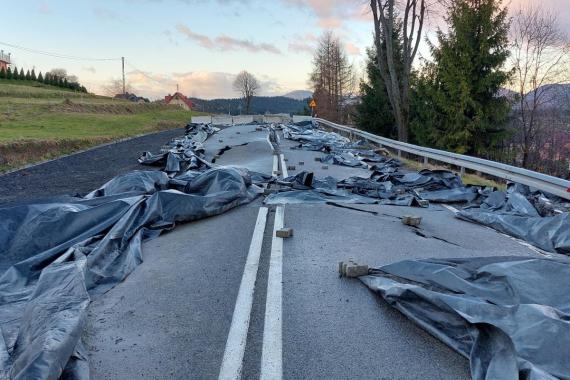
(352, 269)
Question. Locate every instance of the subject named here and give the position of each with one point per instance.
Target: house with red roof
(4, 60)
(179, 100)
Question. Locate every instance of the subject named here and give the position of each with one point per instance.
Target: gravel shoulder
(80, 173)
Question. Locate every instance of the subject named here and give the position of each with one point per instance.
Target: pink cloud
(225, 43)
(332, 14)
(352, 49)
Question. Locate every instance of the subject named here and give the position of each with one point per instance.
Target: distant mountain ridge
(259, 105)
(299, 94)
(550, 96)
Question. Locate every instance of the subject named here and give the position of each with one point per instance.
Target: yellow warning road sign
(313, 104)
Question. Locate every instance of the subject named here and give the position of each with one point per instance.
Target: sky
(201, 45)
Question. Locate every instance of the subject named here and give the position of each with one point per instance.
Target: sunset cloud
(202, 84)
(333, 14)
(225, 43)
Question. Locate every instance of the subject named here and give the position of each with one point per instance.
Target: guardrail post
(399, 153)
(462, 171)
(426, 161)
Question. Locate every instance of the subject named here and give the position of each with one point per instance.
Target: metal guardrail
(550, 184)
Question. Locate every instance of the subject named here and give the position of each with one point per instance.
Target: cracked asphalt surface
(170, 319)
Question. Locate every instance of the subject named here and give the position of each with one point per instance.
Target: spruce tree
(9, 74)
(33, 75)
(40, 78)
(2, 73)
(15, 74)
(374, 113)
(457, 106)
(28, 75)
(22, 74)
(47, 79)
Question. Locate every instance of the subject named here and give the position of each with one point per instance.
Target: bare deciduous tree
(333, 79)
(115, 87)
(389, 16)
(62, 73)
(246, 84)
(540, 60)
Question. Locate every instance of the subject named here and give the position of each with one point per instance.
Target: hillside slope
(39, 122)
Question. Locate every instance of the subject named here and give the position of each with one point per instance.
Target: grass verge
(41, 122)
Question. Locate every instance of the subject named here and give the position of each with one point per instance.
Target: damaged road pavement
(223, 262)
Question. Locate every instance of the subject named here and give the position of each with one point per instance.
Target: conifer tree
(28, 75)
(2, 73)
(22, 74)
(33, 75)
(9, 74)
(40, 78)
(15, 74)
(458, 107)
(374, 113)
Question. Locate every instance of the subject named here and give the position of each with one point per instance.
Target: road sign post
(313, 105)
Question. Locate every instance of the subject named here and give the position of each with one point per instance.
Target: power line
(143, 73)
(57, 55)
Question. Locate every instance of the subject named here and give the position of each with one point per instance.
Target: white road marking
(235, 346)
(284, 166)
(451, 208)
(275, 164)
(270, 144)
(272, 351)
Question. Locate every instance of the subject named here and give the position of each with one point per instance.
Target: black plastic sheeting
(60, 253)
(304, 188)
(513, 214)
(519, 212)
(508, 315)
(182, 154)
(380, 188)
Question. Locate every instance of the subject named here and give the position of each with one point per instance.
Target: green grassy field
(39, 122)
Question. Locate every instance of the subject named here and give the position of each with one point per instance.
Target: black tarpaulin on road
(182, 154)
(510, 316)
(63, 252)
(56, 254)
(513, 213)
(399, 189)
(519, 212)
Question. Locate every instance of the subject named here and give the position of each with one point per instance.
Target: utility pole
(123, 61)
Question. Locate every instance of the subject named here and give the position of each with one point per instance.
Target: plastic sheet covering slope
(510, 316)
(55, 255)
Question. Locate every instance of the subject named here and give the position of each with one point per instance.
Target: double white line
(272, 352)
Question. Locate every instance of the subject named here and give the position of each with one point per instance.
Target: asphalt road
(172, 318)
(82, 172)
